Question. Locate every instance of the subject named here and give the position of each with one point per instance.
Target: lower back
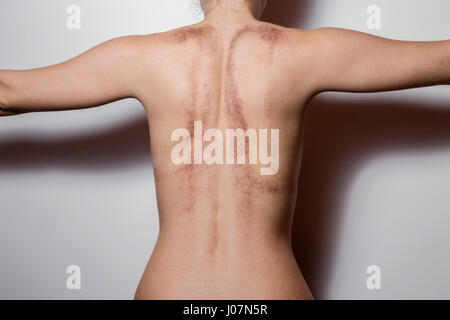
(265, 270)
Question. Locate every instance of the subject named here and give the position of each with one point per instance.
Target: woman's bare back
(225, 227)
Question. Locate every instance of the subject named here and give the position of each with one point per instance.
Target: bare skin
(225, 230)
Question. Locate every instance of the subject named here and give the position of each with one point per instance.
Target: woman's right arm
(3, 111)
(103, 74)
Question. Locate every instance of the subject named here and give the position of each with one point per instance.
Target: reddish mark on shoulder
(270, 35)
(189, 33)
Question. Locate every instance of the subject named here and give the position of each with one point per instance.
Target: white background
(77, 187)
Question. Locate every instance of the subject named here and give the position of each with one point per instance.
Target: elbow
(446, 62)
(4, 109)
(4, 106)
(445, 80)
(3, 103)
(7, 107)
(5, 112)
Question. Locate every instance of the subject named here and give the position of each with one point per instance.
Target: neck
(231, 11)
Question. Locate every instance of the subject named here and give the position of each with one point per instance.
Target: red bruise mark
(199, 102)
(191, 33)
(273, 188)
(234, 104)
(245, 183)
(271, 35)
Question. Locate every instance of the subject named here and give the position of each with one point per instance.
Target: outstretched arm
(353, 61)
(105, 73)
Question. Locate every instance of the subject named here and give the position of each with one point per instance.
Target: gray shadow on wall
(340, 138)
(120, 147)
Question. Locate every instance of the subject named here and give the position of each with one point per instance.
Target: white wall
(77, 187)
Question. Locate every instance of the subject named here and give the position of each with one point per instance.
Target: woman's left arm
(353, 61)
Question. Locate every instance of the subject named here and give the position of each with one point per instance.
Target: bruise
(234, 103)
(269, 33)
(189, 33)
(234, 107)
(271, 188)
(196, 106)
(246, 185)
(271, 36)
(189, 113)
(189, 171)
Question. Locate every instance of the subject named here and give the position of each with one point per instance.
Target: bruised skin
(192, 33)
(196, 106)
(245, 182)
(224, 229)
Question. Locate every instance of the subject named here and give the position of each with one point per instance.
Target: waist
(251, 271)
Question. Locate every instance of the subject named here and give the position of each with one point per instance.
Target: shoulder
(319, 46)
(142, 50)
(195, 32)
(335, 41)
(186, 34)
(324, 37)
